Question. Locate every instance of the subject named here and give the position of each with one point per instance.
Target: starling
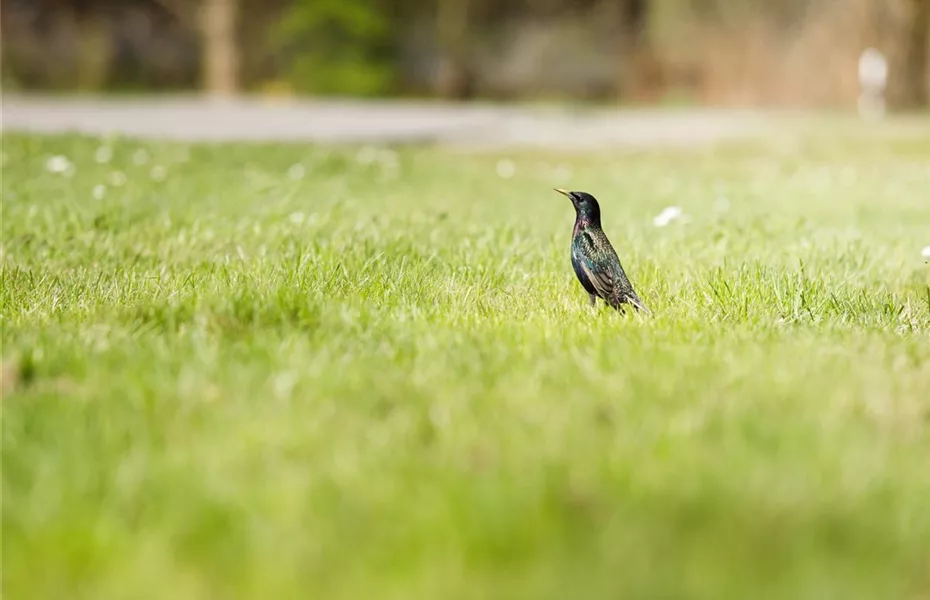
(594, 259)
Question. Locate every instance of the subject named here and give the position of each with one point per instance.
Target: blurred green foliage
(336, 46)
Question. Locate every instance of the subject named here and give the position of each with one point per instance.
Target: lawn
(249, 371)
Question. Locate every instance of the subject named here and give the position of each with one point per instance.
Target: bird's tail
(633, 299)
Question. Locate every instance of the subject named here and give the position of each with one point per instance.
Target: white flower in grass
(283, 384)
(926, 252)
(668, 214)
(140, 157)
(721, 204)
(366, 155)
(99, 192)
(158, 173)
(505, 168)
(297, 218)
(296, 172)
(117, 179)
(389, 159)
(103, 155)
(58, 164)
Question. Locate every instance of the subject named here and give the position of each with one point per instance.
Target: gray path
(353, 121)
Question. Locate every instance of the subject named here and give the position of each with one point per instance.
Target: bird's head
(586, 206)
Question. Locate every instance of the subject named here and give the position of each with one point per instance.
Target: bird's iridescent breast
(581, 265)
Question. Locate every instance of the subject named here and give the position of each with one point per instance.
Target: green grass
(381, 380)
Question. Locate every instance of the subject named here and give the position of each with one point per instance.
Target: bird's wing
(610, 285)
(601, 279)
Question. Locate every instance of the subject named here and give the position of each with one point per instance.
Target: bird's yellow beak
(563, 192)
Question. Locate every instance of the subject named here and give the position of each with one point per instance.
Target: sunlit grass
(286, 371)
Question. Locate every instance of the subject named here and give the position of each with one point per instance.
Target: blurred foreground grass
(286, 371)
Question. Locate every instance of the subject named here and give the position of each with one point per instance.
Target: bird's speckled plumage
(595, 262)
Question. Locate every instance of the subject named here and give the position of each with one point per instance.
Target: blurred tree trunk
(220, 52)
(61, 61)
(634, 15)
(95, 53)
(215, 24)
(914, 87)
(642, 76)
(454, 78)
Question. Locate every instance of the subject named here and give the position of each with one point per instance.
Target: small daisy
(117, 179)
(366, 155)
(296, 172)
(389, 159)
(668, 214)
(58, 164)
(505, 168)
(103, 155)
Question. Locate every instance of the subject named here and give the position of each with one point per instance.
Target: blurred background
(796, 53)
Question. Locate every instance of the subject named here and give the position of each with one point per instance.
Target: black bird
(594, 259)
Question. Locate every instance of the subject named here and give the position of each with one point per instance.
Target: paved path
(356, 121)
